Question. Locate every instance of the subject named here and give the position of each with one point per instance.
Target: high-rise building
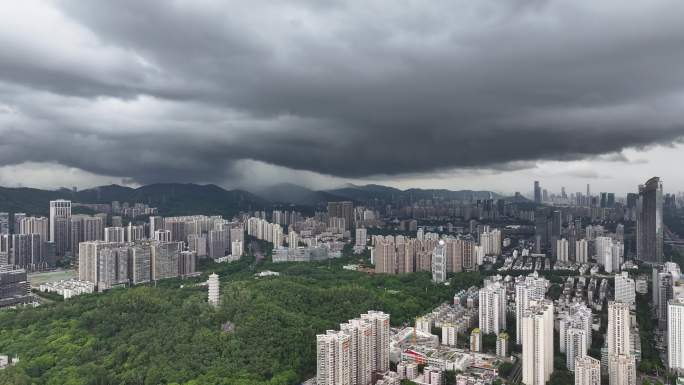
(449, 334)
(333, 358)
(562, 250)
(134, 233)
(531, 289)
(625, 289)
(213, 285)
(114, 234)
(439, 263)
(385, 255)
(351, 356)
(342, 210)
(493, 308)
(140, 264)
(60, 219)
(104, 264)
(582, 251)
(576, 346)
(587, 371)
(537, 192)
(490, 241)
(380, 330)
(35, 225)
(556, 224)
(26, 251)
(650, 221)
(156, 223)
(14, 286)
(621, 370)
(675, 334)
(361, 237)
(112, 266)
(163, 235)
(4, 224)
(187, 264)
(619, 326)
(621, 362)
(16, 221)
(360, 334)
(537, 342)
(165, 259)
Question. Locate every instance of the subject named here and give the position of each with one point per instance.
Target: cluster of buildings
(311, 243)
(68, 288)
(110, 264)
(356, 353)
(430, 252)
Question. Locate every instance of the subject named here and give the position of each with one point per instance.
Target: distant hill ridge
(189, 198)
(170, 198)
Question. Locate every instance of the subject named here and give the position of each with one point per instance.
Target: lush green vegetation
(168, 334)
(650, 359)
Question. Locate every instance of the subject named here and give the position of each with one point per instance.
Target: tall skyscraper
(537, 342)
(650, 221)
(537, 192)
(587, 371)
(556, 224)
(60, 220)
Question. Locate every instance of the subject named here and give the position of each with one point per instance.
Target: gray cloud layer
(157, 90)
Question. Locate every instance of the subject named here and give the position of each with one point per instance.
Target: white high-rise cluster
(529, 289)
(575, 333)
(351, 355)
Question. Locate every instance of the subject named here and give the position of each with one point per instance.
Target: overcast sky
(486, 94)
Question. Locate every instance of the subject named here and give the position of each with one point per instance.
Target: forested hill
(169, 335)
(170, 198)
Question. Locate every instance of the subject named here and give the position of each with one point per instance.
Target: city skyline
(325, 94)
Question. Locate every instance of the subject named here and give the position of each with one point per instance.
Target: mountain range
(179, 198)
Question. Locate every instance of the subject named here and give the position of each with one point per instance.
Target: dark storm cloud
(348, 89)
